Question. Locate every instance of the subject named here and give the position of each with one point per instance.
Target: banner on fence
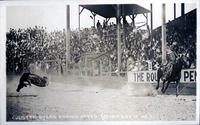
(187, 76)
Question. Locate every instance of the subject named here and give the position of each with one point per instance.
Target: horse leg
(163, 86)
(158, 77)
(177, 88)
(166, 86)
(158, 83)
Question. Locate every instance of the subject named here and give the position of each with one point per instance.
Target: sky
(53, 17)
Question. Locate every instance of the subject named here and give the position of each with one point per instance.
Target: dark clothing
(98, 25)
(171, 61)
(24, 78)
(171, 56)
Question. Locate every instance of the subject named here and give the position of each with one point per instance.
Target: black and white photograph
(102, 62)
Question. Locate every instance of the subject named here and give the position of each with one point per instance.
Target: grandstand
(37, 45)
(138, 45)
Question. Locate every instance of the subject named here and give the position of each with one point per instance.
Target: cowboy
(171, 52)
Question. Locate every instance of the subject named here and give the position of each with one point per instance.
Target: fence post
(118, 39)
(163, 34)
(67, 42)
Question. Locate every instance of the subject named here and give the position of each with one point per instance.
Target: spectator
(98, 24)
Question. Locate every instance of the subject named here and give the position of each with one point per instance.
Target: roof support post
(147, 23)
(133, 19)
(94, 15)
(118, 39)
(163, 35)
(67, 36)
(151, 6)
(79, 19)
(107, 19)
(124, 29)
(146, 16)
(174, 11)
(79, 16)
(124, 18)
(182, 9)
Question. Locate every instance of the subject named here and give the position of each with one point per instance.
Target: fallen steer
(29, 78)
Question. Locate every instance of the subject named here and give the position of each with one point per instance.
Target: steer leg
(163, 86)
(29, 83)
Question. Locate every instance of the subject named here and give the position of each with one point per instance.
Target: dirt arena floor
(97, 99)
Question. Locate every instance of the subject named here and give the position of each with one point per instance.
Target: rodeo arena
(112, 71)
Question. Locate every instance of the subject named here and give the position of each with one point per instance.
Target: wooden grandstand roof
(110, 10)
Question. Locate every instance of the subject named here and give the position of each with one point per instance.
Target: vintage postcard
(87, 62)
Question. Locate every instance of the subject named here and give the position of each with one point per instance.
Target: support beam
(124, 30)
(124, 18)
(151, 6)
(133, 19)
(147, 22)
(163, 34)
(118, 39)
(107, 19)
(94, 20)
(67, 36)
(81, 10)
(134, 16)
(146, 16)
(94, 15)
(182, 9)
(79, 14)
(174, 11)
(130, 17)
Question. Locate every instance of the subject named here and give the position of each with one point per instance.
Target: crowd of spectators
(25, 46)
(103, 39)
(32, 45)
(141, 46)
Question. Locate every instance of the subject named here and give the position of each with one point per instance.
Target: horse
(29, 78)
(172, 76)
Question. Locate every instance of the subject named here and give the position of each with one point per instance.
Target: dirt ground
(97, 99)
